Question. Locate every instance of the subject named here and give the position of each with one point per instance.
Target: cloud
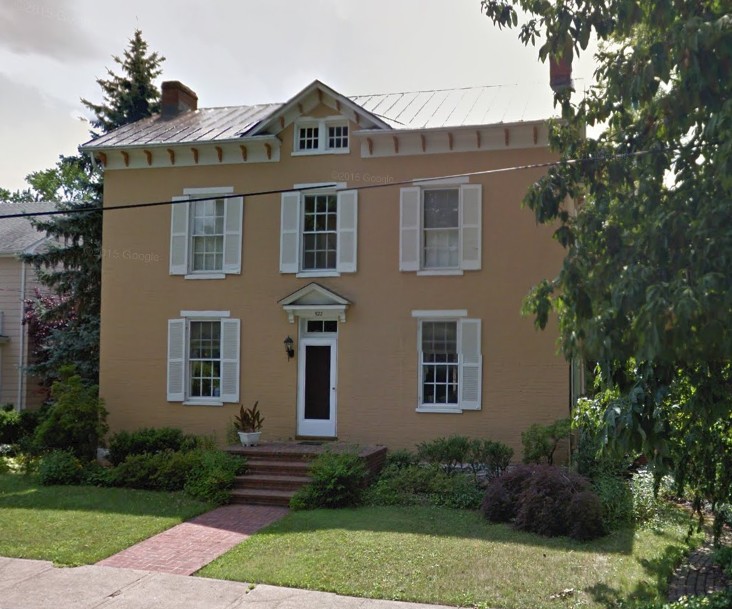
(43, 27)
(36, 129)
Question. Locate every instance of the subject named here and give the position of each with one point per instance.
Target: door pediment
(315, 301)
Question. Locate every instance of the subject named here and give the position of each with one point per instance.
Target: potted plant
(248, 424)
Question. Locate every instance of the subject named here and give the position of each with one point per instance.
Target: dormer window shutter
(410, 206)
(290, 233)
(470, 227)
(179, 235)
(347, 231)
(233, 214)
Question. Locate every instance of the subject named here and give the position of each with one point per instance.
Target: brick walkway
(187, 547)
(699, 576)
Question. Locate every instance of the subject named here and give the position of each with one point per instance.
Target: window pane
(441, 208)
(204, 352)
(439, 363)
(207, 239)
(319, 239)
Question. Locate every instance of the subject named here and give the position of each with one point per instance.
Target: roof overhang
(315, 301)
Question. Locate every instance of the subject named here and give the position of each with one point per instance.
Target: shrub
(646, 504)
(148, 440)
(14, 426)
(337, 480)
(718, 600)
(541, 441)
(501, 498)
(162, 471)
(591, 456)
(488, 458)
(616, 500)
(584, 514)
(543, 503)
(60, 467)
(424, 485)
(400, 459)
(212, 476)
(450, 452)
(76, 420)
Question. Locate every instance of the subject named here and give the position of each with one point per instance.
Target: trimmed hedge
(148, 440)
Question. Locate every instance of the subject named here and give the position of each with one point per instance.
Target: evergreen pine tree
(71, 265)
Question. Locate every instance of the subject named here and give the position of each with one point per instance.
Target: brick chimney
(176, 99)
(560, 70)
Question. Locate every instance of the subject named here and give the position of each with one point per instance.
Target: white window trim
(200, 193)
(205, 314)
(204, 275)
(438, 315)
(447, 272)
(318, 273)
(322, 124)
(456, 181)
(442, 315)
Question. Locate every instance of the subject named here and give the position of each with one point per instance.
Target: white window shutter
(233, 214)
(176, 360)
(410, 208)
(347, 231)
(471, 369)
(470, 228)
(230, 366)
(179, 236)
(290, 233)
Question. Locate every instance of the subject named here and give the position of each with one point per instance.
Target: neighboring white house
(17, 282)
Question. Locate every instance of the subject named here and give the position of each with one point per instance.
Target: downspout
(23, 329)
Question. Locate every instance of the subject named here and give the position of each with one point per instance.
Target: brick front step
(279, 468)
(262, 497)
(259, 481)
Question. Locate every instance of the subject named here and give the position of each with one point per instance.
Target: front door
(316, 396)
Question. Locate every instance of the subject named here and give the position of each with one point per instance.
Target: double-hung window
(321, 136)
(440, 228)
(318, 231)
(450, 362)
(206, 234)
(203, 358)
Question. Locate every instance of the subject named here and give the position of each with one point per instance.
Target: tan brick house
(319, 220)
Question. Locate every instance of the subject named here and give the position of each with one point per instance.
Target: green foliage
(148, 440)
(163, 471)
(400, 459)
(541, 441)
(337, 480)
(412, 484)
(594, 456)
(455, 453)
(450, 452)
(212, 476)
(723, 557)
(249, 420)
(60, 467)
(616, 499)
(133, 95)
(718, 600)
(76, 420)
(647, 505)
(644, 287)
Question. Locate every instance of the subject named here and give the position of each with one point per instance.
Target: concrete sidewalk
(37, 584)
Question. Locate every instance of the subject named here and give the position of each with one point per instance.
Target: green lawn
(75, 525)
(452, 557)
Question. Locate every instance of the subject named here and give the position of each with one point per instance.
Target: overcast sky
(237, 52)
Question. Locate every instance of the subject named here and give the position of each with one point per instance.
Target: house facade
(355, 264)
(18, 282)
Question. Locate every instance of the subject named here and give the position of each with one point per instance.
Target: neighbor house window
(206, 234)
(440, 228)
(318, 232)
(320, 136)
(203, 358)
(450, 362)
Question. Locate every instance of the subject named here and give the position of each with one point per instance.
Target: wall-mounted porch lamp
(289, 348)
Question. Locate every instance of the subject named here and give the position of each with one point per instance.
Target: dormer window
(321, 136)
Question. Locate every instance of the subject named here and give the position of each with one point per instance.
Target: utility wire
(333, 186)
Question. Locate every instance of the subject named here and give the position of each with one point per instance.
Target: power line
(333, 186)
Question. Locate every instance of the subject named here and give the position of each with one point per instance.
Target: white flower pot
(249, 438)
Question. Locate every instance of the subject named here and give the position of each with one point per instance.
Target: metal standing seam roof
(440, 108)
(18, 234)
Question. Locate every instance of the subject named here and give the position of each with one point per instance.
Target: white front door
(316, 395)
